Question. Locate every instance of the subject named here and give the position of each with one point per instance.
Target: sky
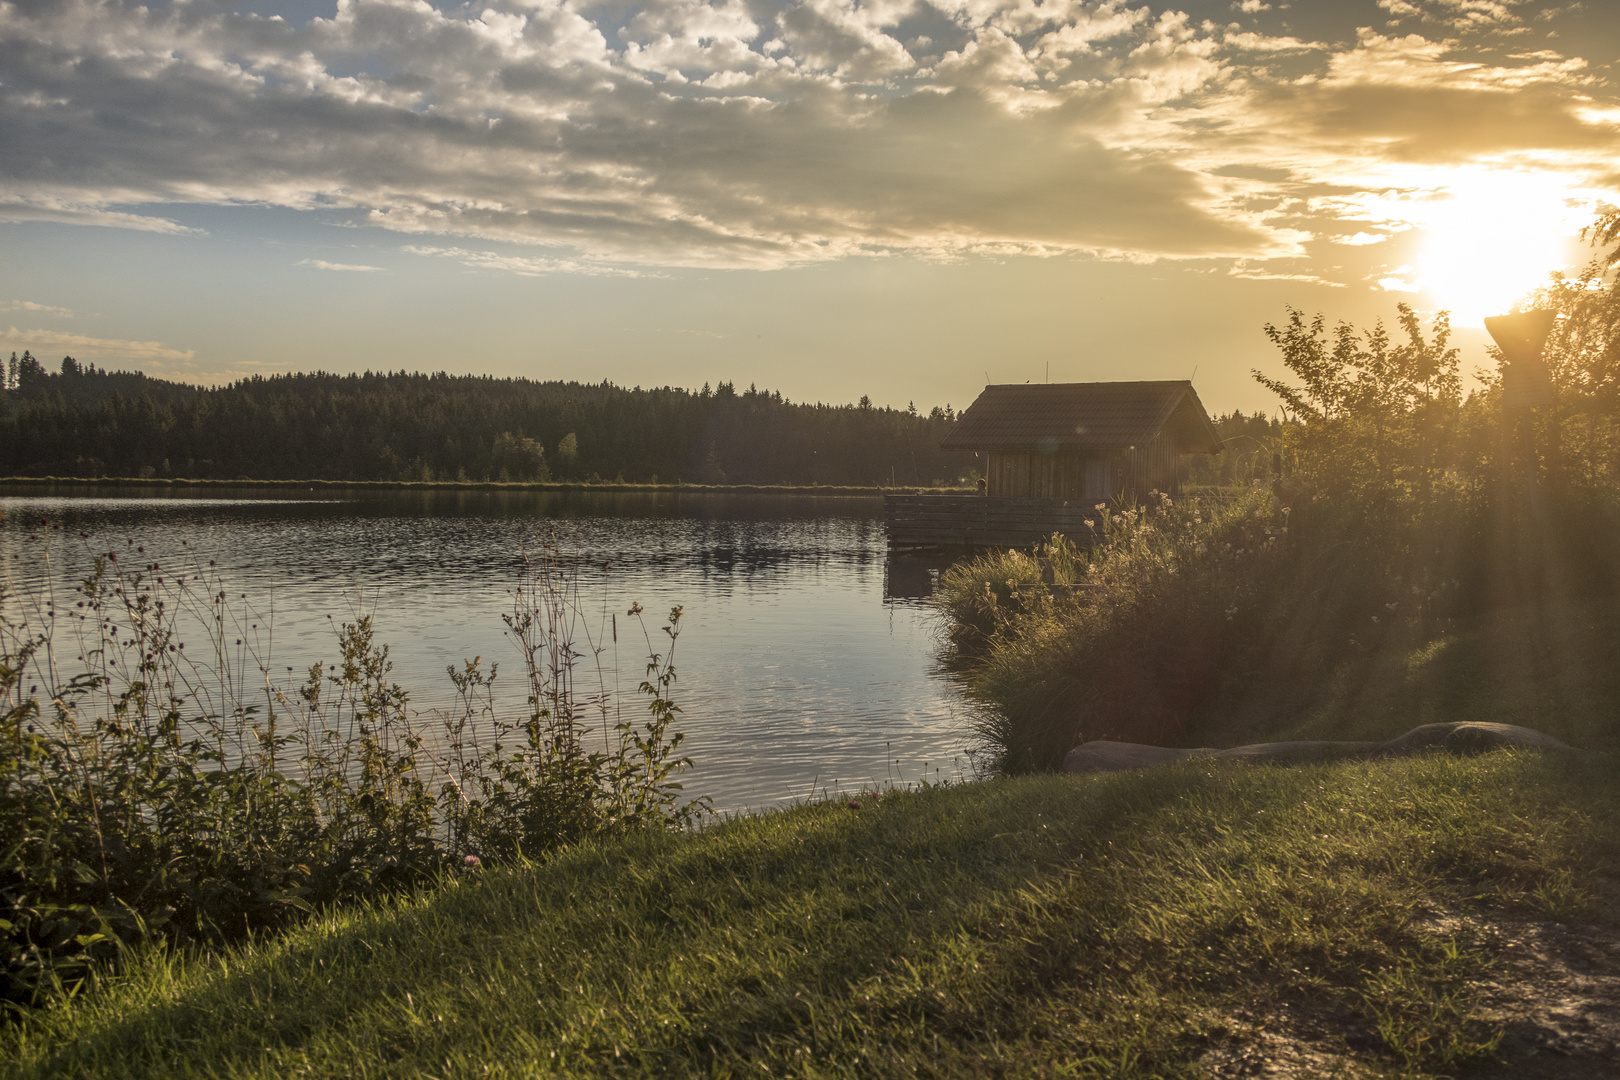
(897, 198)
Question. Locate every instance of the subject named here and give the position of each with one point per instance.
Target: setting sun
(1496, 238)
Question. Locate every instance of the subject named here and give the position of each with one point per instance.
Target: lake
(806, 658)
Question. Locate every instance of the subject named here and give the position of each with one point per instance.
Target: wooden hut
(1084, 440)
(1053, 451)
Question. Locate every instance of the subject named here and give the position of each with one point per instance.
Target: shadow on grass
(1114, 925)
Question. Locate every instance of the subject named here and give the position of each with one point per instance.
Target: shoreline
(560, 486)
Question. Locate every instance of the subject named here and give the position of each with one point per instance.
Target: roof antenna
(987, 378)
(1195, 373)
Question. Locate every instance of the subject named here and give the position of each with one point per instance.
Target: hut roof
(1097, 414)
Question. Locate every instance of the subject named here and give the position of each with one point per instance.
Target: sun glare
(1495, 239)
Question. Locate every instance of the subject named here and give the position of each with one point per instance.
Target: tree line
(81, 421)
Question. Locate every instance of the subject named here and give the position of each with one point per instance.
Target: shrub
(1131, 643)
(151, 791)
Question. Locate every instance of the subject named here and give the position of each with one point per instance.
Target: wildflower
(854, 804)
(635, 608)
(471, 862)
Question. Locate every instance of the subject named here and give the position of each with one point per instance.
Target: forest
(81, 421)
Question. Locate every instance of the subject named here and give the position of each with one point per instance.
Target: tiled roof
(1083, 414)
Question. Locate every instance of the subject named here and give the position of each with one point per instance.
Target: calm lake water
(806, 659)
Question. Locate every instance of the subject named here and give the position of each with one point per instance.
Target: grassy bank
(1351, 919)
(115, 483)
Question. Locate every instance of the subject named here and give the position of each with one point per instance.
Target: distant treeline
(83, 422)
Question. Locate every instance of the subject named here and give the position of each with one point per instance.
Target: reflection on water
(805, 658)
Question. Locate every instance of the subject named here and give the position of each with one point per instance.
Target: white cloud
(1399, 280)
(20, 206)
(522, 265)
(1253, 273)
(1361, 239)
(1262, 43)
(30, 306)
(322, 264)
(84, 347)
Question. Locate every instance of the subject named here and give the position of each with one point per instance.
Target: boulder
(1298, 750)
(1466, 737)
(1469, 737)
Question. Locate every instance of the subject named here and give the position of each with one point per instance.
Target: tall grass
(1131, 633)
(153, 790)
(1222, 622)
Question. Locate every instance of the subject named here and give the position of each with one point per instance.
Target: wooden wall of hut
(1096, 476)
(1154, 467)
(1060, 474)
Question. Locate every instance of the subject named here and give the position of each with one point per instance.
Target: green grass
(181, 483)
(1130, 924)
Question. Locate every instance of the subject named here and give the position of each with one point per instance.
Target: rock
(1469, 737)
(1466, 737)
(1299, 750)
(1104, 756)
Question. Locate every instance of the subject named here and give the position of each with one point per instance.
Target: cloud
(1255, 273)
(32, 206)
(322, 264)
(1261, 43)
(84, 347)
(1399, 281)
(767, 133)
(29, 305)
(1394, 101)
(522, 265)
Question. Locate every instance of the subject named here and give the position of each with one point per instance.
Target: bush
(159, 792)
(1126, 644)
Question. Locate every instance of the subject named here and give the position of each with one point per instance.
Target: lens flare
(1496, 238)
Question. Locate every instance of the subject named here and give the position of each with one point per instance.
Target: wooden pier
(982, 521)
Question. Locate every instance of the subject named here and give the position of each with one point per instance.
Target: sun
(1494, 239)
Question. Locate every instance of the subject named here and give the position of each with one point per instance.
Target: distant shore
(117, 482)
